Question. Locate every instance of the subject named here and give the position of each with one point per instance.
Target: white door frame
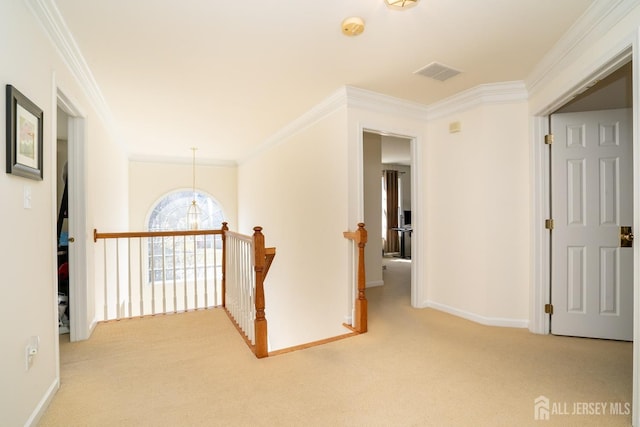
(79, 323)
(541, 256)
(416, 202)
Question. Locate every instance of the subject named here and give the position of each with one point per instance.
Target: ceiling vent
(437, 71)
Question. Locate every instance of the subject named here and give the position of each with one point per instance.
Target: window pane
(170, 214)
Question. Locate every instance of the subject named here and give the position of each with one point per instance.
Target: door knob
(71, 240)
(626, 237)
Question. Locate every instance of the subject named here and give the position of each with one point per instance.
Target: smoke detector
(352, 26)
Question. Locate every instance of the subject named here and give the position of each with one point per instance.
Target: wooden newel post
(361, 302)
(224, 229)
(261, 347)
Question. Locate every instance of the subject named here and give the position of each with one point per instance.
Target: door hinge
(548, 308)
(548, 224)
(548, 139)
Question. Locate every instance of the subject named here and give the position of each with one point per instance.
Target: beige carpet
(414, 368)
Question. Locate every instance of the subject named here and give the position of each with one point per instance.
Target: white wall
(149, 181)
(28, 255)
(297, 191)
(477, 203)
(107, 205)
(470, 198)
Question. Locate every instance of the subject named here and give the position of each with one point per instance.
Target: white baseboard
(483, 320)
(38, 412)
(374, 284)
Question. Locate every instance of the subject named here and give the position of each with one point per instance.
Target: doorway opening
(591, 188)
(540, 320)
(388, 207)
(70, 133)
(62, 232)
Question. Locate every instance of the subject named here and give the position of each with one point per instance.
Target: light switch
(27, 197)
(31, 350)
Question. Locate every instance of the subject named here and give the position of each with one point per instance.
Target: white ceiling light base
(401, 4)
(352, 26)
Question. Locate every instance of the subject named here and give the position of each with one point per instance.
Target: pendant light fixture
(193, 213)
(401, 4)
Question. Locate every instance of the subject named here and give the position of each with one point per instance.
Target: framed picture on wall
(24, 136)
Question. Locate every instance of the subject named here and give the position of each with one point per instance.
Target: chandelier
(401, 4)
(193, 213)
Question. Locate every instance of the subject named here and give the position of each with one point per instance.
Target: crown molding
(494, 93)
(345, 96)
(373, 101)
(353, 97)
(329, 105)
(48, 16)
(599, 18)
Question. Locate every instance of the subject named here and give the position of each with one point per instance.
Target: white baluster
(175, 293)
(141, 277)
(129, 273)
(118, 279)
(106, 294)
(206, 284)
(153, 277)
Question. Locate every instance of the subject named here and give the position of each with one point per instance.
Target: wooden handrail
(238, 236)
(360, 238)
(134, 234)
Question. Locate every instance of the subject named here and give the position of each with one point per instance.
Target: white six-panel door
(592, 197)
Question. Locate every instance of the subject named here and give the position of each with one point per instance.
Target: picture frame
(24, 136)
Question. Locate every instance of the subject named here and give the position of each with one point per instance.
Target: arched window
(170, 214)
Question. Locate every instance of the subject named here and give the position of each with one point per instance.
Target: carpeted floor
(415, 367)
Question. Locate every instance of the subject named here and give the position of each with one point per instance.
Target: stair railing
(159, 272)
(359, 238)
(248, 263)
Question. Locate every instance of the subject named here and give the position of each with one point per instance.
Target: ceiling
(224, 76)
